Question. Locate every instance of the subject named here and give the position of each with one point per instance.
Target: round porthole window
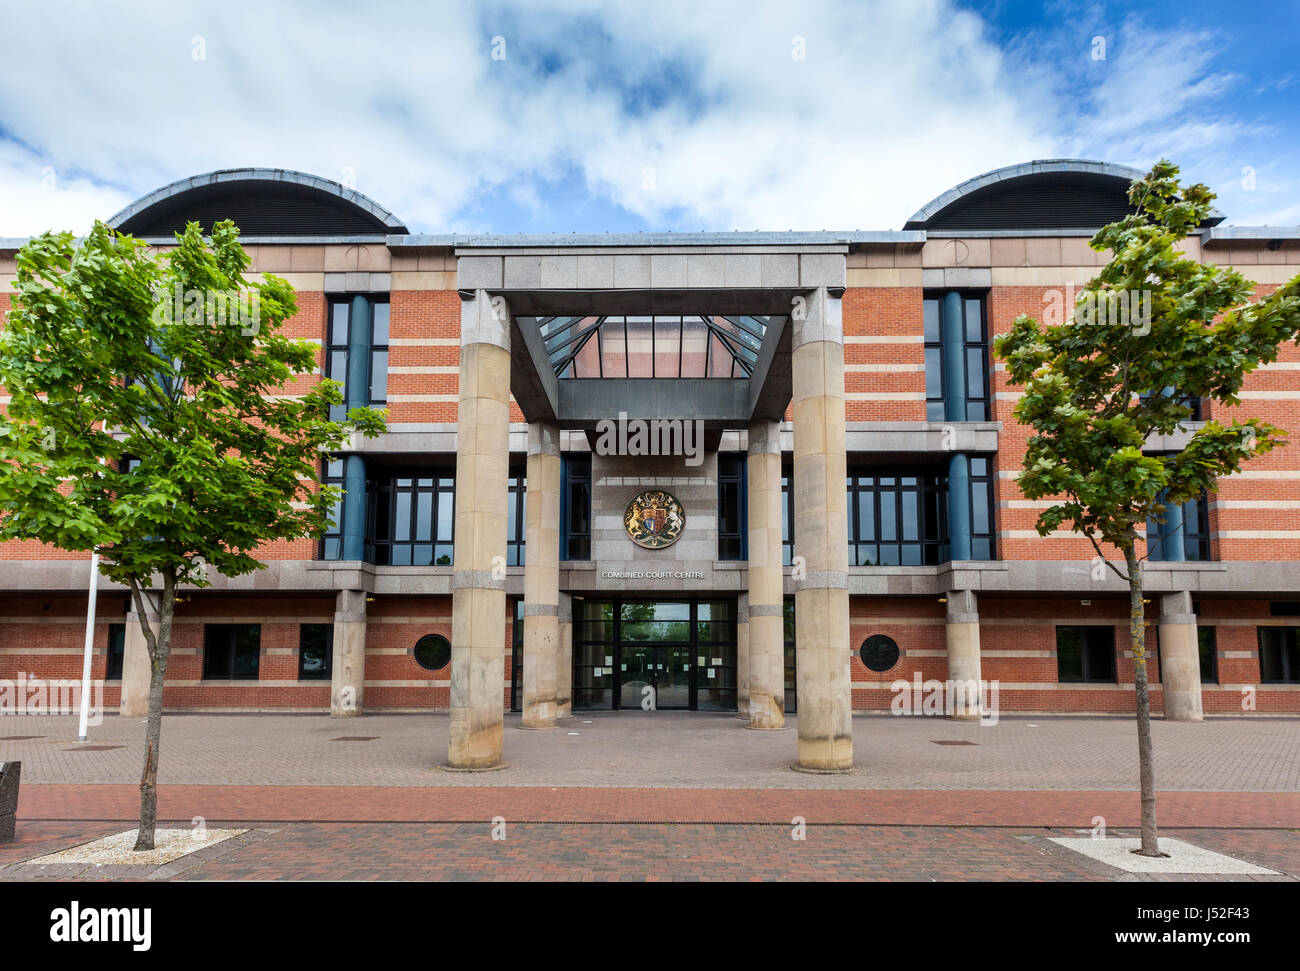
(433, 651)
(879, 653)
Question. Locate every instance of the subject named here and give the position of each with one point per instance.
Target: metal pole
(90, 642)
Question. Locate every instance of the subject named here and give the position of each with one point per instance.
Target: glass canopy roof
(652, 347)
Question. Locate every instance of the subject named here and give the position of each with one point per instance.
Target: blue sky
(582, 116)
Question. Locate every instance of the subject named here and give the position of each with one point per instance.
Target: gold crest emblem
(654, 519)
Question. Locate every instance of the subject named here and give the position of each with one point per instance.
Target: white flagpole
(90, 643)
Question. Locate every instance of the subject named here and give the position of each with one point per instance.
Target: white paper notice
(710, 672)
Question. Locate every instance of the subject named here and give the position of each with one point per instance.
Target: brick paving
(632, 852)
(658, 797)
(667, 749)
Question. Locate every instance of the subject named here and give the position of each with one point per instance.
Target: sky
(588, 116)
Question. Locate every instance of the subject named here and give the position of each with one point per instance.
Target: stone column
(564, 661)
(348, 664)
(542, 576)
(742, 656)
(1180, 658)
(821, 538)
(478, 603)
(963, 633)
(766, 576)
(134, 699)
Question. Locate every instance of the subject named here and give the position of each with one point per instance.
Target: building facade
(733, 472)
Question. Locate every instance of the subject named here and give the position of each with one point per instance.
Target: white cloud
(894, 103)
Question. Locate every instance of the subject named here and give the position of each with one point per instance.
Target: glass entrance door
(654, 654)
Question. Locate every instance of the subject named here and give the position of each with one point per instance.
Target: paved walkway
(665, 749)
(582, 852)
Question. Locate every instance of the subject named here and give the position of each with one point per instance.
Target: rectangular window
(516, 518)
(337, 344)
(231, 652)
(379, 350)
(315, 652)
(331, 544)
(1085, 654)
(336, 352)
(116, 652)
(982, 546)
(575, 501)
(517, 657)
(411, 518)
(1206, 644)
(731, 506)
(787, 518)
(974, 351)
(787, 623)
(1194, 535)
(1279, 655)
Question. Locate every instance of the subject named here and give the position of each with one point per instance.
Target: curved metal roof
(304, 189)
(1040, 191)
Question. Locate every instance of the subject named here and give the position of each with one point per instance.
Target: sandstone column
(1180, 658)
(348, 665)
(766, 602)
(542, 576)
(821, 538)
(564, 661)
(963, 633)
(478, 604)
(742, 657)
(134, 699)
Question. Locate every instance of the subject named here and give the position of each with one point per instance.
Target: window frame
(1087, 677)
(327, 674)
(575, 469)
(230, 631)
(738, 479)
(115, 652)
(1290, 675)
(383, 492)
(934, 405)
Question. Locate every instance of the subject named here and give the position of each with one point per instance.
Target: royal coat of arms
(654, 519)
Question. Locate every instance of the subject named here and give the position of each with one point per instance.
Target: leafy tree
(144, 422)
(1117, 371)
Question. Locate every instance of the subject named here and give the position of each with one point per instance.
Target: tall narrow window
(315, 651)
(576, 506)
(787, 518)
(379, 350)
(1085, 654)
(516, 517)
(331, 544)
(231, 652)
(336, 352)
(933, 360)
(1207, 647)
(981, 509)
(116, 652)
(731, 506)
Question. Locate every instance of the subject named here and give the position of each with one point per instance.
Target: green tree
(144, 422)
(1117, 370)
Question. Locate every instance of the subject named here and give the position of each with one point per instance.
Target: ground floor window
(1279, 655)
(1207, 646)
(517, 657)
(649, 654)
(791, 688)
(231, 652)
(315, 652)
(116, 652)
(1085, 654)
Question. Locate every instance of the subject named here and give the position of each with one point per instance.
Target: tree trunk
(1146, 760)
(159, 650)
